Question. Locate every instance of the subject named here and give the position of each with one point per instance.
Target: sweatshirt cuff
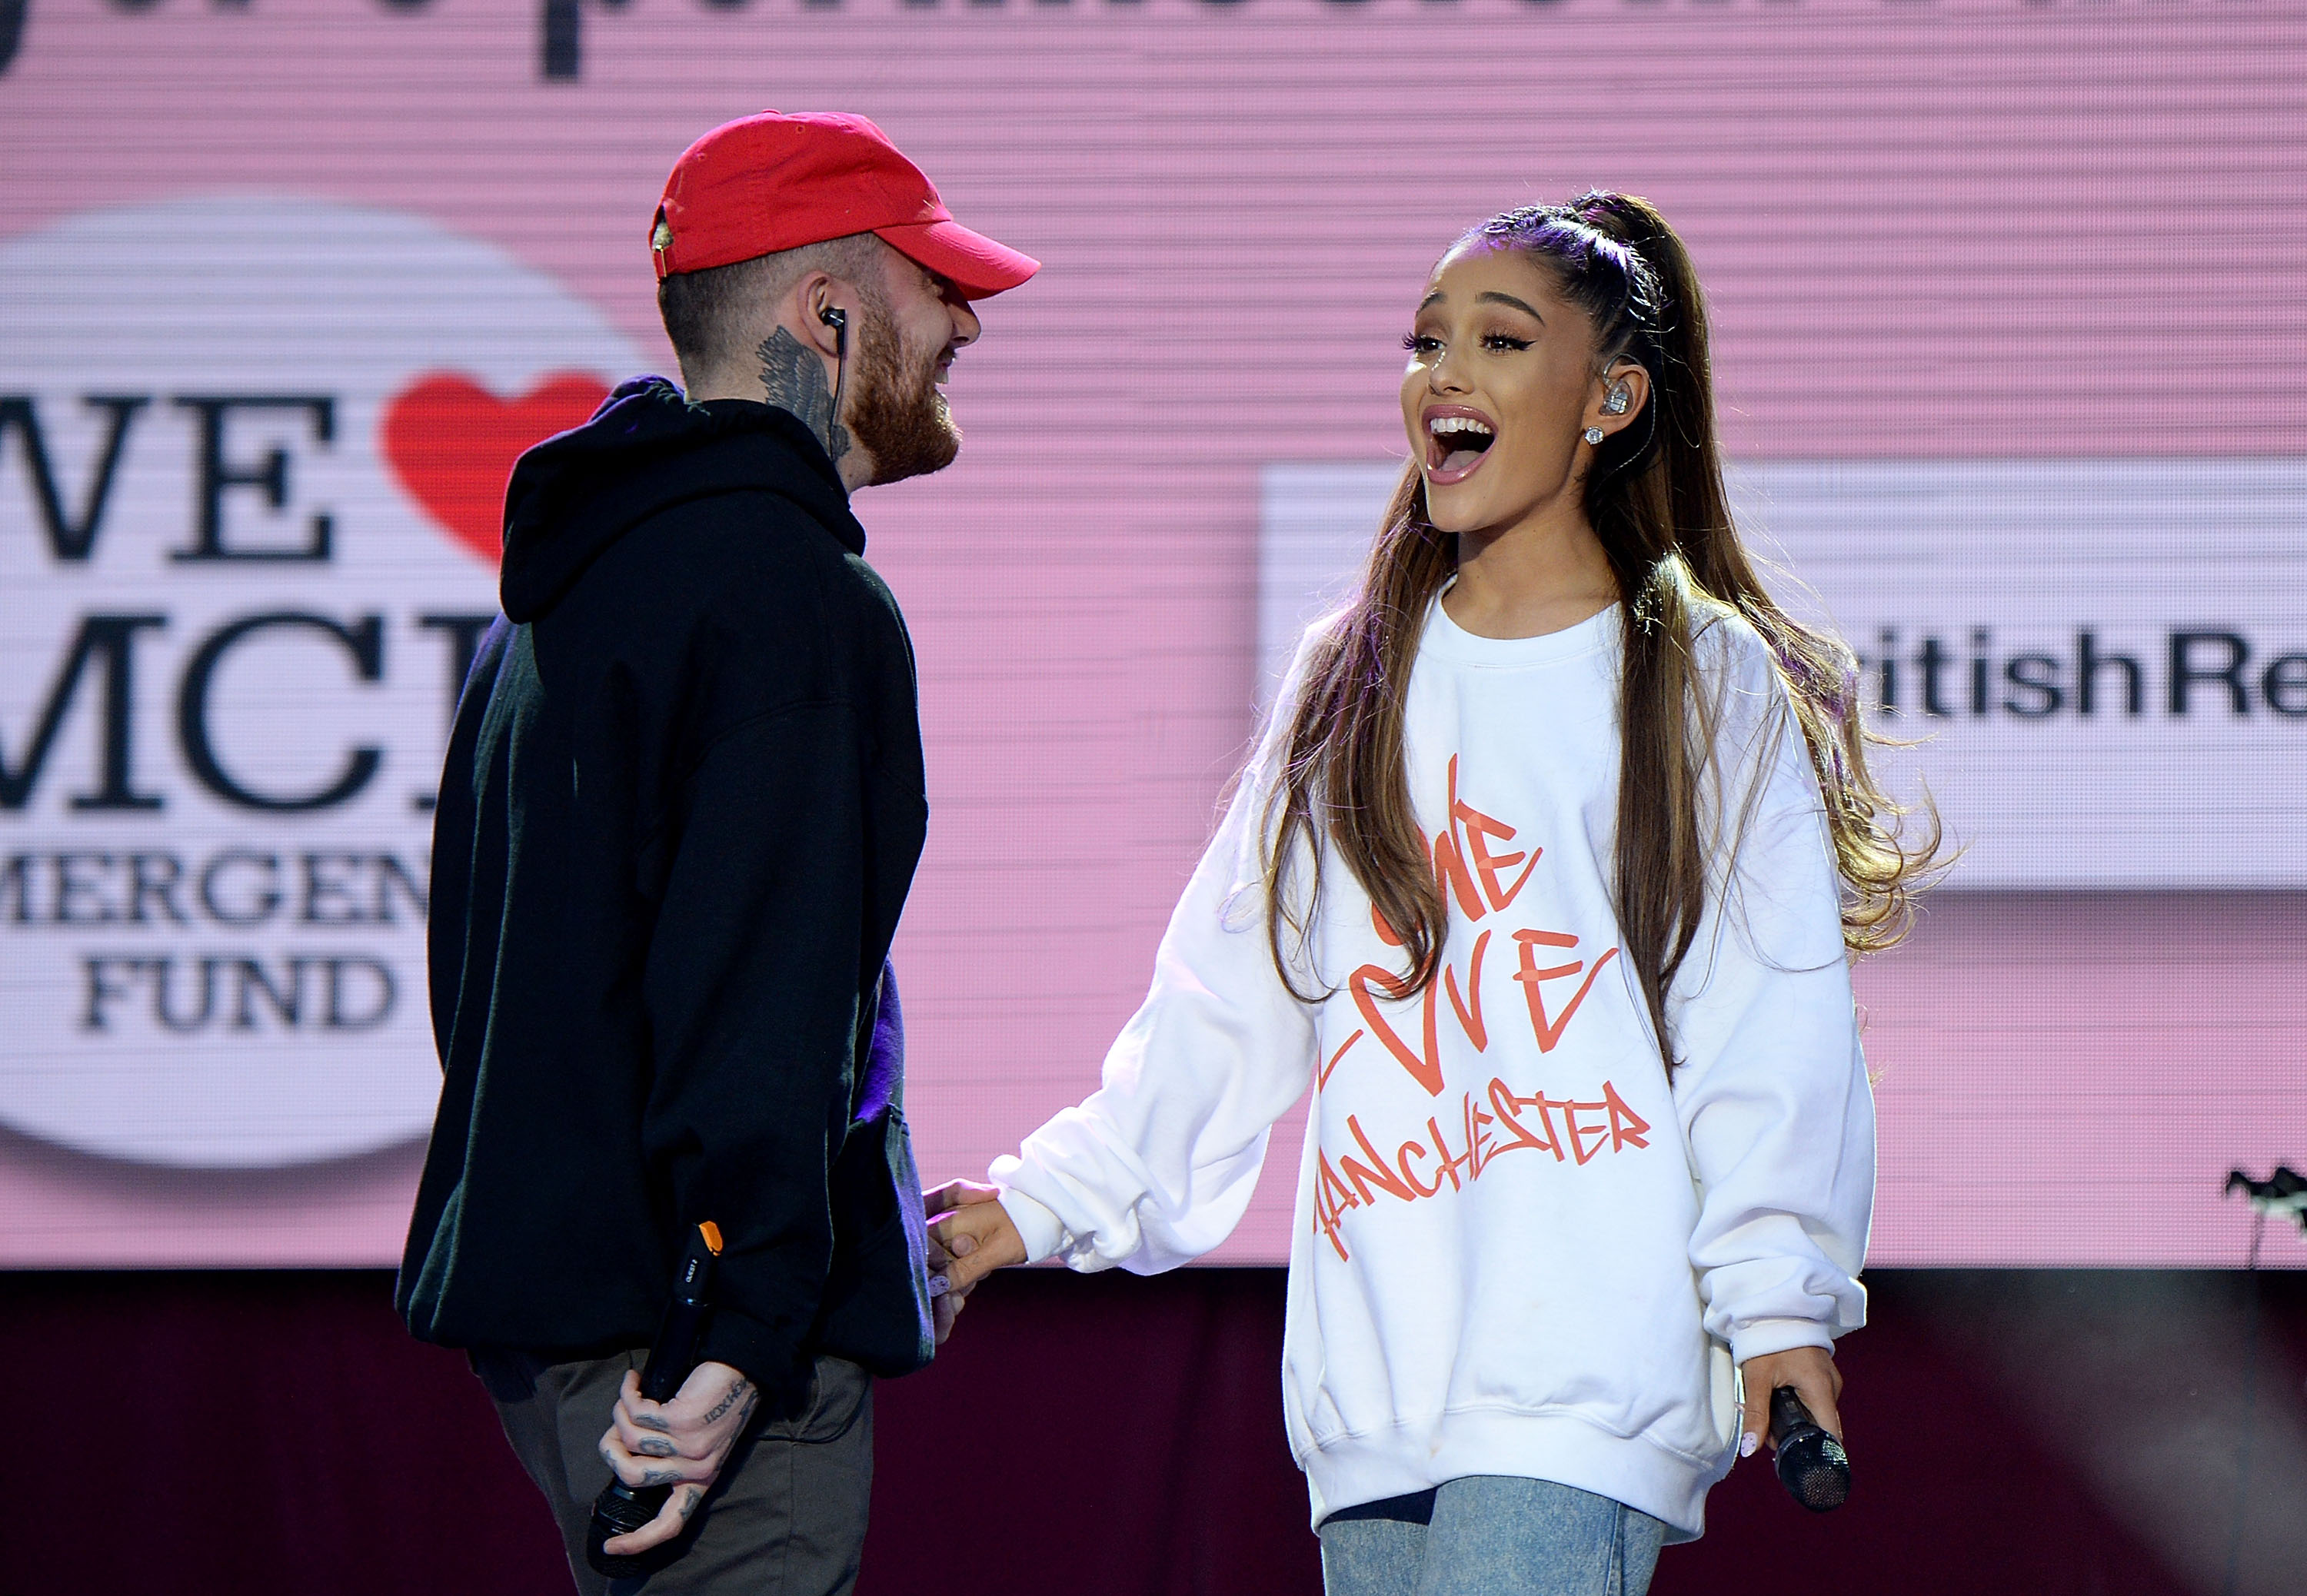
(769, 1360)
(1041, 1231)
(1758, 1338)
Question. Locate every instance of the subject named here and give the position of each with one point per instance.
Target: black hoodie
(682, 809)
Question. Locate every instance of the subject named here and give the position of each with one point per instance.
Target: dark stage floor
(2062, 1434)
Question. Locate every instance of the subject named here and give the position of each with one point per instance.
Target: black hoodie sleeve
(751, 990)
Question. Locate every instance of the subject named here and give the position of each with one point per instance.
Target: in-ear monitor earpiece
(837, 319)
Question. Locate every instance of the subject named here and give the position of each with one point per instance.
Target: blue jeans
(1490, 1535)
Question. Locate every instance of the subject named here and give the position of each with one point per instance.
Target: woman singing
(1545, 876)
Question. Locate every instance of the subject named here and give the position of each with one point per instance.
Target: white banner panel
(2105, 659)
(249, 507)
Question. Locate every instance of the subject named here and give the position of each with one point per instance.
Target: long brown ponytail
(1656, 499)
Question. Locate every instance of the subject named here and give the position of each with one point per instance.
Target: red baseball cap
(777, 182)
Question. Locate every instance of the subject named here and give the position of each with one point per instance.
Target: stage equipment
(1811, 1463)
(2283, 1194)
(621, 1508)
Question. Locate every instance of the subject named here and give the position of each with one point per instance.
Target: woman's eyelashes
(1425, 343)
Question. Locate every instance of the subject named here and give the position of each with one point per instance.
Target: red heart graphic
(452, 444)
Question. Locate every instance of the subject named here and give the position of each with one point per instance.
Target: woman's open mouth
(1457, 440)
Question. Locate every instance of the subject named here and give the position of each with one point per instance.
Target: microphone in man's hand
(622, 1509)
(1811, 1463)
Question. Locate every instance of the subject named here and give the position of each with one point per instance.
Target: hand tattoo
(660, 1477)
(792, 378)
(651, 1421)
(741, 1387)
(657, 1448)
(688, 1500)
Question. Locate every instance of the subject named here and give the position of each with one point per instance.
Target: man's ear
(816, 310)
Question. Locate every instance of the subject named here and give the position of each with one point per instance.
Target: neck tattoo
(792, 378)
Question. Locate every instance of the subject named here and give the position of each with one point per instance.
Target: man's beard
(898, 415)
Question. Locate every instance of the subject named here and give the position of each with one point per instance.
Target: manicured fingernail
(939, 1285)
(1748, 1443)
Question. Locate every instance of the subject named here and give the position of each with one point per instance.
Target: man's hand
(682, 1443)
(1810, 1370)
(970, 1235)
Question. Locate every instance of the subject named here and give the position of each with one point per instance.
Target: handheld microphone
(621, 1509)
(1811, 1463)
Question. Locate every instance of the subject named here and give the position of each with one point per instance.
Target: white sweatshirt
(1517, 1250)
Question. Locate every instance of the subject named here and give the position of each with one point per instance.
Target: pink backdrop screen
(2007, 302)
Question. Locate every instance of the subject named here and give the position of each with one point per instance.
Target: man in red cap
(786, 213)
(682, 809)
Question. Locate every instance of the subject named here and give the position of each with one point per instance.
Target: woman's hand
(970, 1235)
(1810, 1370)
(682, 1443)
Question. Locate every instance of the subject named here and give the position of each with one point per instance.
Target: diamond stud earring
(1593, 435)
